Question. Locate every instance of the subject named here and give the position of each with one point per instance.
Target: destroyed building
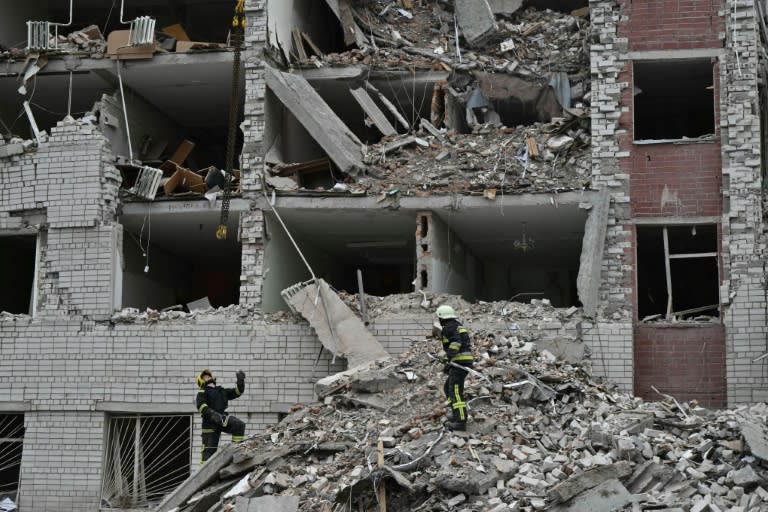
(604, 157)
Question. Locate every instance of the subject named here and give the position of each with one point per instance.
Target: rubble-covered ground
(543, 434)
(529, 42)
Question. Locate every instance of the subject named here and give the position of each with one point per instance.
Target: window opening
(673, 99)
(11, 447)
(17, 253)
(678, 273)
(146, 458)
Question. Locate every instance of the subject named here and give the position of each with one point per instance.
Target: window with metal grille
(145, 458)
(11, 445)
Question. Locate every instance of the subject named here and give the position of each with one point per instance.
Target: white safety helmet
(445, 312)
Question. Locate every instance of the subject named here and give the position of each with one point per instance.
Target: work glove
(446, 368)
(240, 375)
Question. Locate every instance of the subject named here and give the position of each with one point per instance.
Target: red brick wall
(691, 173)
(685, 362)
(672, 24)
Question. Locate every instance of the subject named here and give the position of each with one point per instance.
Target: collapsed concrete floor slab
(339, 330)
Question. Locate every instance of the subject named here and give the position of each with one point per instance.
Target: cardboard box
(118, 48)
(184, 178)
(176, 31)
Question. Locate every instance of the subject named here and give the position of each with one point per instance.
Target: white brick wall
(743, 240)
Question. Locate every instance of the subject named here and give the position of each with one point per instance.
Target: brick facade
(685, 362)
(676, 180)
(70, 359)
(672, 25)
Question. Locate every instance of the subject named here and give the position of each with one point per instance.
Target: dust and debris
(543, 434)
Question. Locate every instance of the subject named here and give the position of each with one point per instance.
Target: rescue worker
(458, 349)
(212, 401)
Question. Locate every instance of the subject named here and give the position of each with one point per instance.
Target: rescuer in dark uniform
(212, 401)
(458, 348)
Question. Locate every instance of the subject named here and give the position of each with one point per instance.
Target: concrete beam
(378, 117)
(193, 205)
(343, 73)
(671, 221)
(161, 60)
(696, 53)
(145, 408)
(588, 280)
(19, 406)
(476, 20)
(505, 6)
(314, 114)
(463, 203)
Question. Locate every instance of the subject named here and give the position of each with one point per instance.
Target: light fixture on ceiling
(525, 243)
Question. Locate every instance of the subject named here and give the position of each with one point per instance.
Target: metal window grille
(145, 458)
(11, 447)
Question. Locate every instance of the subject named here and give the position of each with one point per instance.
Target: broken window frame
(669, 315)
(7, 444)
(135, 492)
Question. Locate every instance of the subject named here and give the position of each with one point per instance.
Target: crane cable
(238, 35)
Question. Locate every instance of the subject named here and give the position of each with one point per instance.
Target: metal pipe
(125, 111)
(71, 2)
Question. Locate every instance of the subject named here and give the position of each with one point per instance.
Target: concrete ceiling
(191, 89)
(190, 92)
(190, 235)
(491, 232)
(353, 234)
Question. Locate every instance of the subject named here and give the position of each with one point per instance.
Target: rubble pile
(88, 40)
(529, 42)
(512, 116)
(542, 157)
(543, 434)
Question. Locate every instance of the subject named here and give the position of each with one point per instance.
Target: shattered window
(11, 445)
(673, 99)
(146, 457)
(17, 253)
(677, 272)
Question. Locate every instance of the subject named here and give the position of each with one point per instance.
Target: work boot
(455, 425)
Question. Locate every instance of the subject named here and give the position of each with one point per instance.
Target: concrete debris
(268, 504)
(538, 42)
(480, 139)
(339, 329)
(492, 158)
(330, 132)
(606, 497)
(578, 445)
(476, 20)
